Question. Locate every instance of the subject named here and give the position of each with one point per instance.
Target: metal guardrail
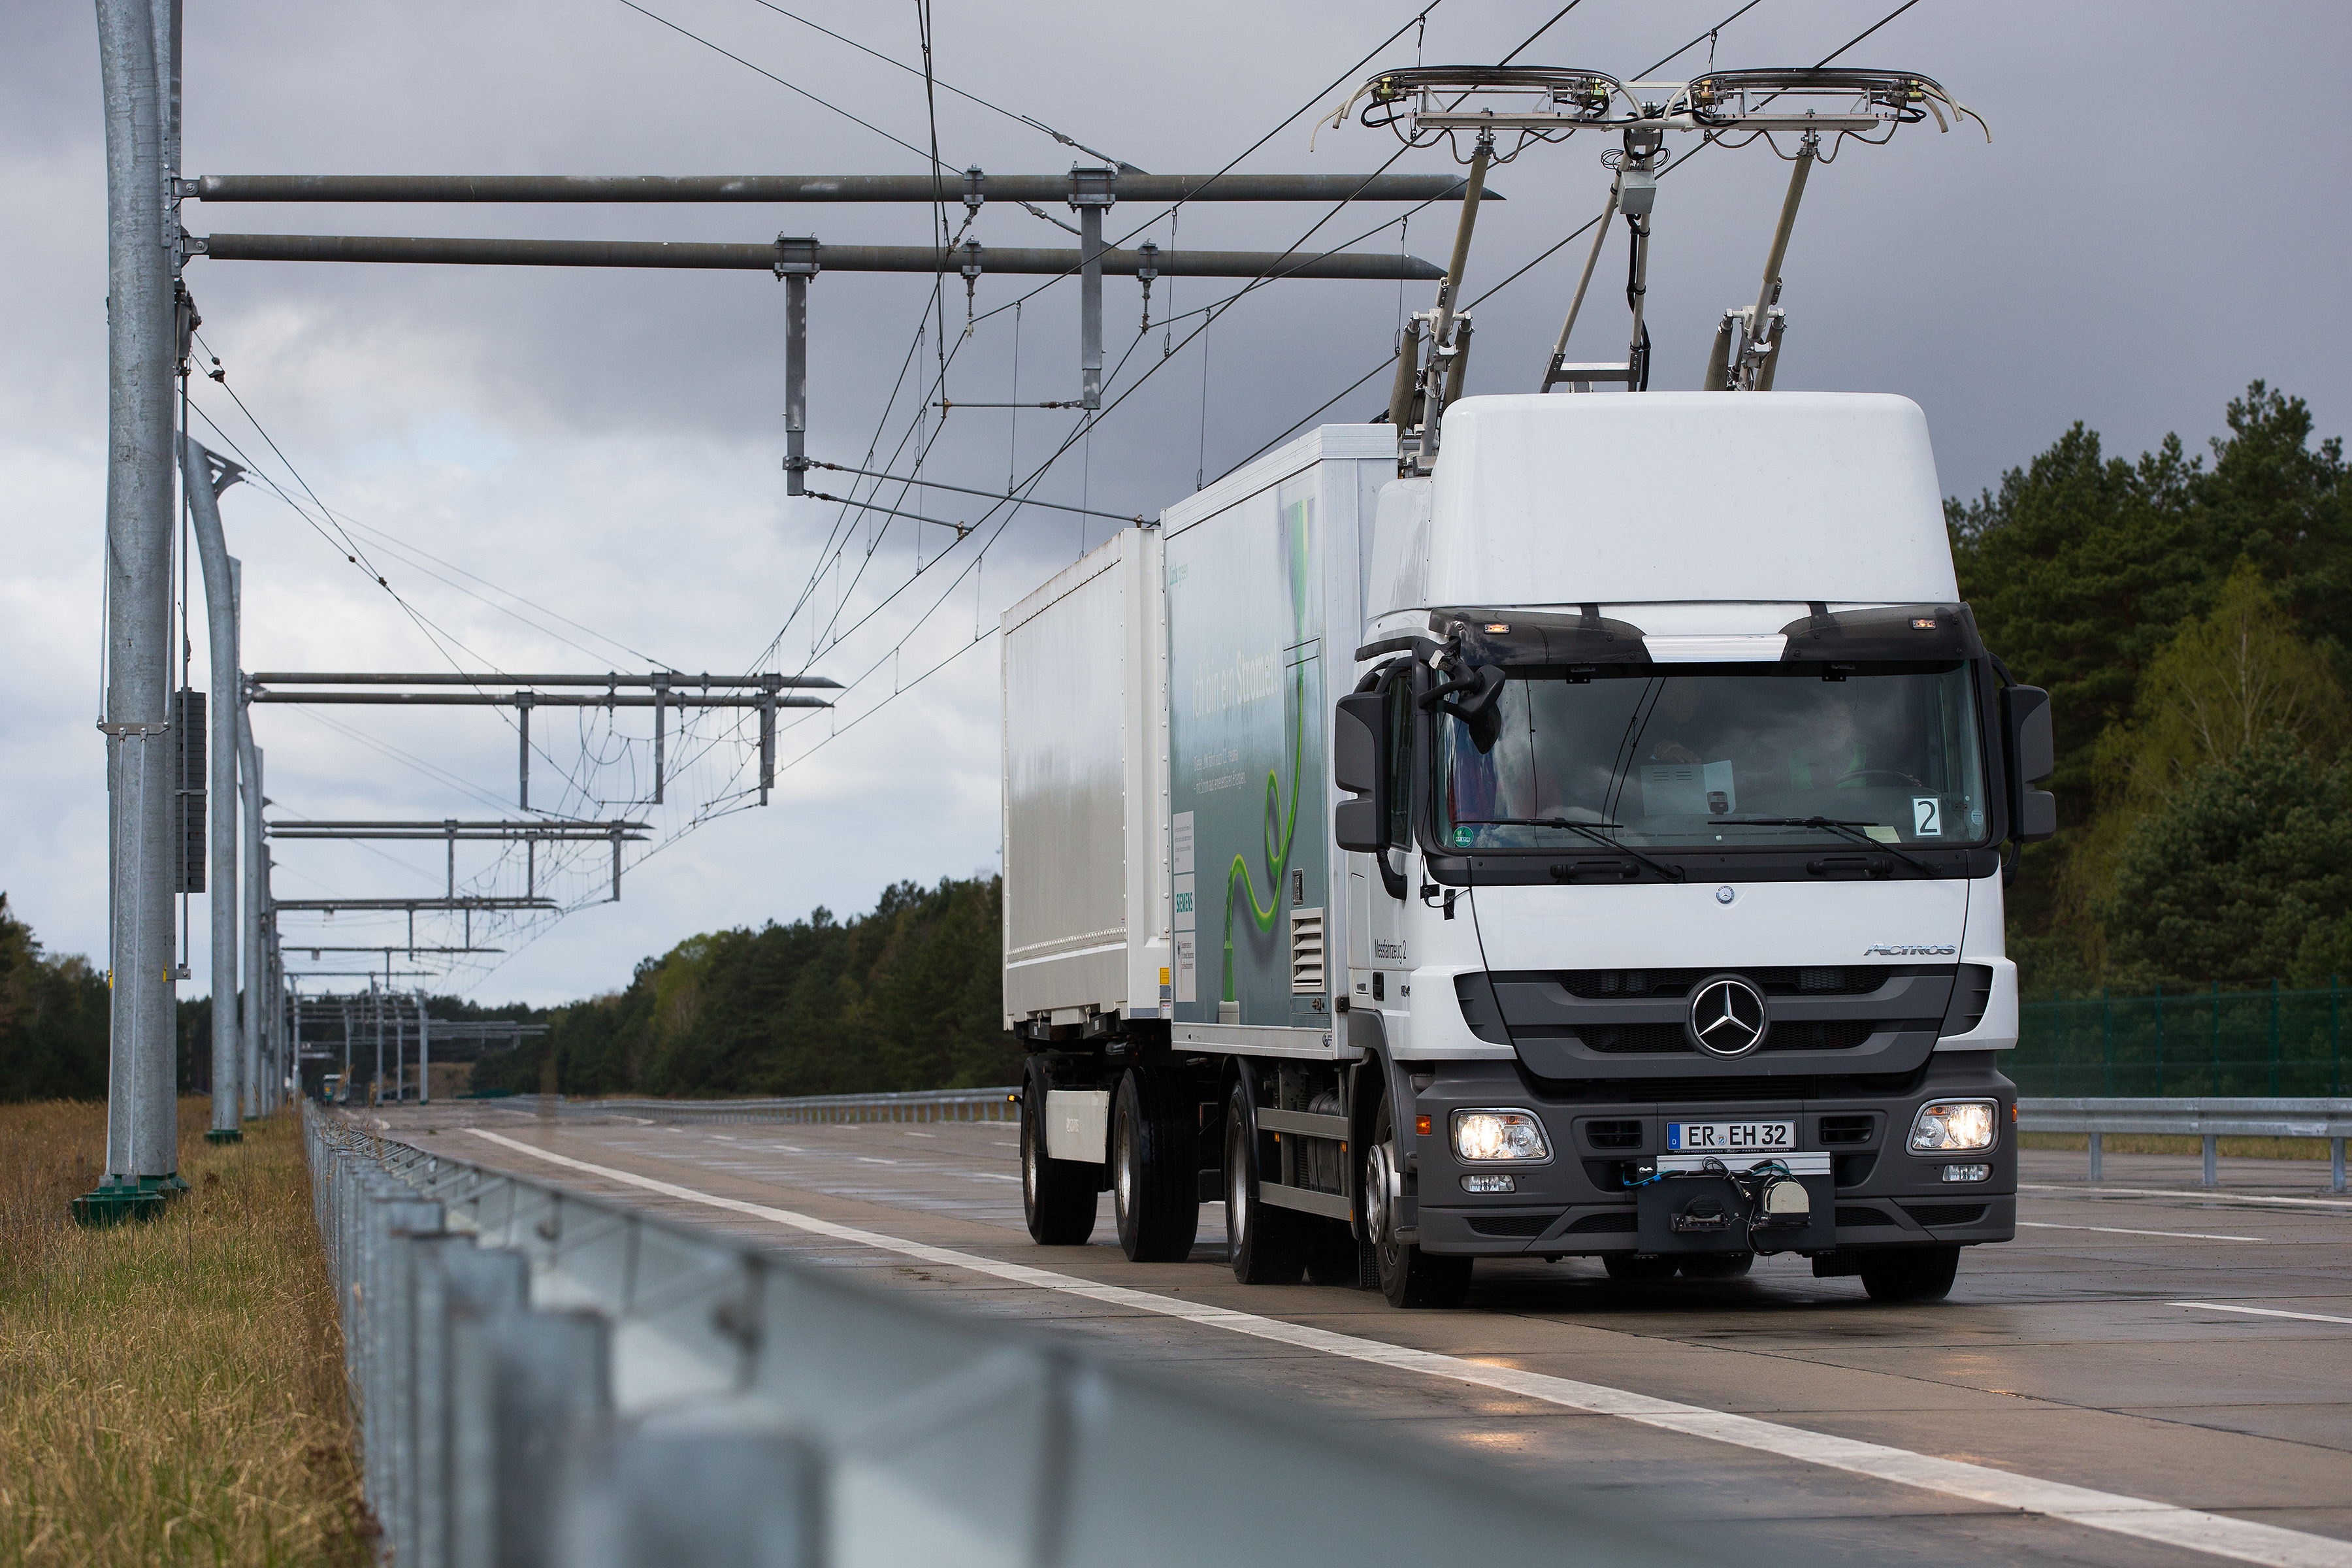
(920, 1105)
(2209, 1119)
(546, 1380)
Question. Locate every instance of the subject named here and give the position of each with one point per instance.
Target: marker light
(1486, 1135)
(1497, 1183)
(1967, 1172)
(1950, 1124)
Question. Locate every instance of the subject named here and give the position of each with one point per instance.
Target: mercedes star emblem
(1727, 1017)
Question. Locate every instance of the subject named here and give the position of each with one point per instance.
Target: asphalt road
(2139, 1340)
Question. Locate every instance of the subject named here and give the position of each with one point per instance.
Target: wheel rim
(1236, 1195)
(1123, 1178)
(1029, 1167)
(1376, 1194)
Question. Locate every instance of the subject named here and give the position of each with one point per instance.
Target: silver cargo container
(1166, 802)
(1084, 804)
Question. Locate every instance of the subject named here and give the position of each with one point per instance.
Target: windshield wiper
(1590, 830)
(1845, 829)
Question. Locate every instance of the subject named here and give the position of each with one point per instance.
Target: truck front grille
(1834, 980)
(1663, 1039)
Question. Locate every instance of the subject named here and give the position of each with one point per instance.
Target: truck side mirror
(1359, 752)
(2032, 755)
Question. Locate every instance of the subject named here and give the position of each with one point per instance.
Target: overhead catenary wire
(1587, 225)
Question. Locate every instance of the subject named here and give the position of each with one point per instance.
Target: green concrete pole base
(113, 1203)
(170, 1186)
(225, 1135)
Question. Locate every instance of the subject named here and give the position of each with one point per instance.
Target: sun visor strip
(1886, 635)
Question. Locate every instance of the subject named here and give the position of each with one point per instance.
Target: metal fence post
(2095, 1152)
(2335, 1164)
(2217, 1046)
(2275, 1035)
(2212, 1143)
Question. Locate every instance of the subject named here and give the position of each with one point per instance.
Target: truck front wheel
(1409, 1277)
(1057, 1196)
(1155, 1179)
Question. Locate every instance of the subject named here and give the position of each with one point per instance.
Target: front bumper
(1580, 1203)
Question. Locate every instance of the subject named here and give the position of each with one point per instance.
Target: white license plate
(1730, 1137)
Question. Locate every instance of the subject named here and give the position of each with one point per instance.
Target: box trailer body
(1468, 860)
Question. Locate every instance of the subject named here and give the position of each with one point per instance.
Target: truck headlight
(1489, 1135)
(1948, 1124)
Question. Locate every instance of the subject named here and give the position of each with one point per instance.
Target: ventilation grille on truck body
(1307, 952)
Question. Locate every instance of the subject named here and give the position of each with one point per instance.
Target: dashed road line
(2262, 1311)
(2119, 1230)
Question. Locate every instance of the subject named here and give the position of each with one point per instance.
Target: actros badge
(1727, 1017)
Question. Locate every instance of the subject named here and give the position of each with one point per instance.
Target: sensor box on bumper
(1737, 1205)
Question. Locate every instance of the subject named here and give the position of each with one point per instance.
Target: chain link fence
(2269, 1043)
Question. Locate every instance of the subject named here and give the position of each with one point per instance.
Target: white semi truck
(1586, 842)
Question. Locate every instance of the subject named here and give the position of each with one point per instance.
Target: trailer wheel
(1155, 1178)
(1909, 1273)
(1057, 1196)
(1409, 1277)
(1264, 1241)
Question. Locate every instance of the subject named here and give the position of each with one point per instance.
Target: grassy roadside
(170, 1392)
(2165, 1143)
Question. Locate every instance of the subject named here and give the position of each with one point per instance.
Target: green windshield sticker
(1464, 837)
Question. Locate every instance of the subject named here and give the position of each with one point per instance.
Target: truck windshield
(1717, 758)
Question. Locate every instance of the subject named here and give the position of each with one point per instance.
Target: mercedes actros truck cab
(1586, 840)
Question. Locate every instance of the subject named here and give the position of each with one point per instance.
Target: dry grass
(170, 1392)
(2166, 1143)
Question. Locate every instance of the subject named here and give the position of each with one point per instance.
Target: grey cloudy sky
(579, 470)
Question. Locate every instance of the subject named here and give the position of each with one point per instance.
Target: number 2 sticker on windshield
(1926, 817)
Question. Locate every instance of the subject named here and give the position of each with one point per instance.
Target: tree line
(909, 995)
(2190, 618)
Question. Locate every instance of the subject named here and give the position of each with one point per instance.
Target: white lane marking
(2118, 1230)
(2214, 1194)
(987, 1176)
(870, 1160)
(722, 1137)
(2216, 1534)
(922, 1134)
(2262, 1311)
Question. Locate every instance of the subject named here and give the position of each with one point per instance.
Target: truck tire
(1265, 1243)
(1909, 1273)
(1057, 1196)
(1155, 1178)
(1409, 1277)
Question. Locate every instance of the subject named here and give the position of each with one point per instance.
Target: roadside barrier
(2209, 1119)
(548, 1380)
(920, 1105)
